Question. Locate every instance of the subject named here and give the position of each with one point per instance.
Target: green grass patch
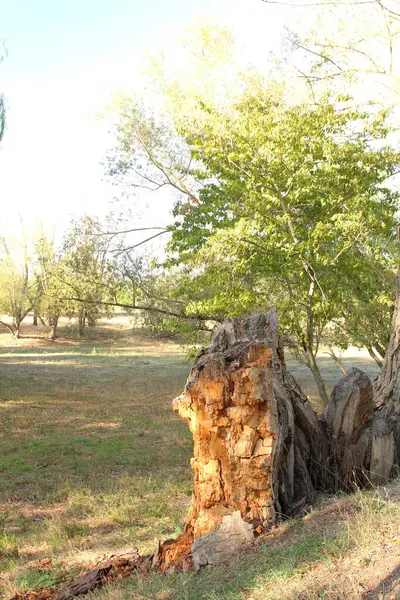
(32, 580)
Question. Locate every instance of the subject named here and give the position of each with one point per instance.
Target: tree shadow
(386, 587)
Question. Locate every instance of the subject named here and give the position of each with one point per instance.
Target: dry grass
(346, 547)
(93, 461)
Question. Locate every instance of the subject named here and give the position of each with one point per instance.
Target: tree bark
(259, 449)
(53, 322)
(386, 432)
(312, 363)
(348, 418)
(374, 356)
(81, 322)
(35, 319)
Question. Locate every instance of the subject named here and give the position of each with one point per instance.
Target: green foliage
(17, 292)
(307, 217)
(292, 206)
(8, 545)
(50, 280)
(31, 580)
(88, 274)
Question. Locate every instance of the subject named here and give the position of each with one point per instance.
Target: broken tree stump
(259, 450)
(348, 416)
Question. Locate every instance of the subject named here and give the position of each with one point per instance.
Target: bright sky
(65, 58)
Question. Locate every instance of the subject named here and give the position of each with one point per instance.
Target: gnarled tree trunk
(348, 419)
(386, 426)
(259, 450)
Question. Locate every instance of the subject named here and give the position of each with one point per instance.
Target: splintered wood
(258, 446)
(232, 416)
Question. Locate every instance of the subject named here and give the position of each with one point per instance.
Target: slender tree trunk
(17, 323)
(81, 321)
(53, 321)
(17, 330)
(373, 354)
(43, 322)
(380, 349)
(337, 360)
(19, 317)
(35, 319)
(313, 366)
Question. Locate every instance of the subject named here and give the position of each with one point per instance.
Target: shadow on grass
(386, 586)
(15, 356)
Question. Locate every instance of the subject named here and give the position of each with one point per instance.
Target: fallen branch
(115, 568)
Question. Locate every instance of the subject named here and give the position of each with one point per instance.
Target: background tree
(291, 205)
(50, 276)
(87, 275)
(345, 46)
(366, 319)
(17, 291)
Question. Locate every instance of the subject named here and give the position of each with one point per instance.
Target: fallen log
(111, 569)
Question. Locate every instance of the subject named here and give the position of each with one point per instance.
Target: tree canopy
(284, 203)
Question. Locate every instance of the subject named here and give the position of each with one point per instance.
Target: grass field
(93, 461)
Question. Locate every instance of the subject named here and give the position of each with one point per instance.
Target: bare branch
(309, 83)
(117, 252)
(163, 170)
(128, 231)
(326, 58)
(10, 327)
(195, 317)
(358, 51)
(395, 15)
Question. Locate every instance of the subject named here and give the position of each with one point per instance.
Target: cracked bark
(258, 446)
(386, 425)
(260, 451)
